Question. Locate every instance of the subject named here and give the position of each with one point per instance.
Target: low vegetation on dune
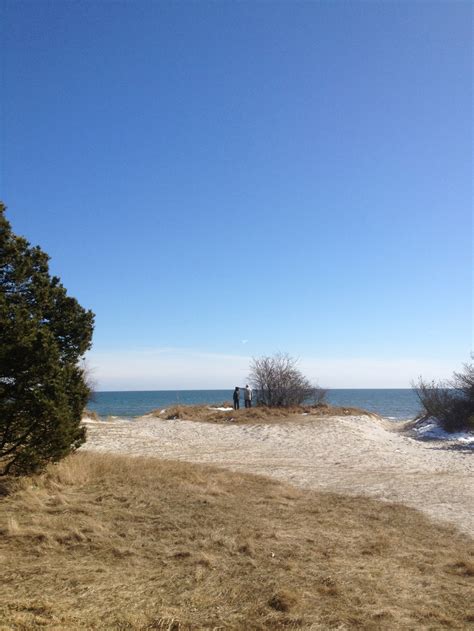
(450, 402)
(109, 542)
(223, 413)
(90, 414)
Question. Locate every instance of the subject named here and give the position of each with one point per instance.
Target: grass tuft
(283, 600)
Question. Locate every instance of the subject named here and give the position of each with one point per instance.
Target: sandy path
(355, 455)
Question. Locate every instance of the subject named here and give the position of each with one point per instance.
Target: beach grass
(113, 542)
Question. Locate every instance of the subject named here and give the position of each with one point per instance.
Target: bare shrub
(277, 382)
(451, 402)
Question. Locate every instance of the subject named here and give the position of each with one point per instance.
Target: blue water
(393, 404)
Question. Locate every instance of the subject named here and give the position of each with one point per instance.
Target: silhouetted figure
(248, 396)
(236, 397)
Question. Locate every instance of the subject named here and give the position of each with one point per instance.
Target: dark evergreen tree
(43, 335)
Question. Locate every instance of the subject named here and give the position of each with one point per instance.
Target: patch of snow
(222, 409)
(466, 439)
(432, 429)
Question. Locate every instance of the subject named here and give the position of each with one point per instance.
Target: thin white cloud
(367, 372)
(186, 369)
(166, 369)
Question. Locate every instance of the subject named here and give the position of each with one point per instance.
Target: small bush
(451, 402)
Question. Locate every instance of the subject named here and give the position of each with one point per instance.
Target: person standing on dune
(248, 396)
(236, 397)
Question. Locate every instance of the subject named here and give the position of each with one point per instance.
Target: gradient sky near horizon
(218, 181)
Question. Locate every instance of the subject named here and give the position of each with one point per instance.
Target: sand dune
(352, 454)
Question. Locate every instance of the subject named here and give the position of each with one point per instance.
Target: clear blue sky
(225, 180)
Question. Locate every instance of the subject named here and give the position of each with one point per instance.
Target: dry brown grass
(251, 416)
(91, 414)
(110, 542)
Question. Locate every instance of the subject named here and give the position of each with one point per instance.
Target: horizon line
(232, 387)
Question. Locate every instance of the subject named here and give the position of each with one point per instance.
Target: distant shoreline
(230, 390)
(393, 404)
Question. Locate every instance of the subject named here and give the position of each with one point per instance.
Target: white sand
(355, 455)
